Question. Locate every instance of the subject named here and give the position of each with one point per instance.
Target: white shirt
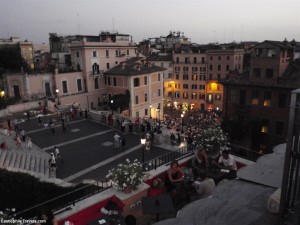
(228, 162)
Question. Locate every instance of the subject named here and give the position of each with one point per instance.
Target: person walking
(53, 128)
(56, 153)
(18, 142)
(29, 142)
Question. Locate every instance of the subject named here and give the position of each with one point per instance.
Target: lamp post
(150, 109)
(2, 94)
(143, 142)
(57, 94)
(182, 115)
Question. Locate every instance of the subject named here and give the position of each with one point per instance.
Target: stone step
(27, 162)
(32, 163)
(18, 160)
(13, 160)
(46, 168)
(7, 159)
(42, 165)
(37, 164)
(23, 160)
(3, 156)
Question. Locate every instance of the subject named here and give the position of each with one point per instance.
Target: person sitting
(4, 145)
(226, 161)
(205, 187)
(175, 176)
(199, 162)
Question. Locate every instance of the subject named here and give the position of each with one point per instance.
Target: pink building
(144, 81)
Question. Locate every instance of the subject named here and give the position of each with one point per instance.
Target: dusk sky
(203, 21)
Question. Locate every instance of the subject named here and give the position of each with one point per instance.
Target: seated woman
(175, 175)
(199, 162)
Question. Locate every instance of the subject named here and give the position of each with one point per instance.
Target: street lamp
(2, 94)
(150, 109)
(143, 142)
(57, 94)
(182, 115)
(158, 111)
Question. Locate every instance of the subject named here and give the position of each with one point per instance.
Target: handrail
(55, 201)
(244, 152)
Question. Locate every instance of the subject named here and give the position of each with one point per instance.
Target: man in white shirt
(226, 161)
(117, 140)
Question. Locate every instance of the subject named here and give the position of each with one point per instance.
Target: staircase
(24, 161)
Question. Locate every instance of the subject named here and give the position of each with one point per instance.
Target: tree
(11, 59)
(120, 101)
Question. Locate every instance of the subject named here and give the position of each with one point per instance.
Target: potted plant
(211, 139)
(127, 176)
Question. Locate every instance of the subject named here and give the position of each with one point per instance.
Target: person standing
(56, 152)
(117, 140)
(52, 162)
(40, 120)
(29, 142)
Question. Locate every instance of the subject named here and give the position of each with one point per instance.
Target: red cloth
(88, 214)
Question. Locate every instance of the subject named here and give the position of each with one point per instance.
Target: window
(195, 69)
(95, 68)
(185, 95)
(146, 112)
(194, 86)
(210, 76)
(177, 76)
(78, 67)
(106, 53)
(115, 81)
(94, 54)
(269, 73)
(227, 67)
(117, 51)
(170, 95)
(271, 52)
(228, 57)
(282, 100)
(146, 97)
(258, 52)
(209, 98)
(267, 98)
(159, 92)
(195, 59)
(116, 62)
(136, 82)
(108, 81)
(255, 97)
(185, 77)
(265, 125)
(161, 64)
(211, 58)
(96, 83)
(202, 77)
(136, 99)
(186, 60)
(185, 86)
(218, 97)
(201, 96)
(107, 65)
(194, 77)
(177, 94)
(219, 76)
(279, 125)
(30, 56)
(232, 96)
(177, 69)
(202, 59)
(219, 67)
(210, 67)
(145, 81)
(77, 54)
(218, 87)
(127, 52)
(202, 70)
(177, 59)
(194, 95)
(65, 87)
(185, 69)
(158, 77)
(79, 85)
(256, 72)
(177, 86)
(242, 97)
(219, 58)
(202, 87)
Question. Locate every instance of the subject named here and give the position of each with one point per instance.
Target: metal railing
(153, 164)
(66, 201)
(244, 152)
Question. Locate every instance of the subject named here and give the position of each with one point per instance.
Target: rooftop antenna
(78, 26)
(241, 32)
(113, 24)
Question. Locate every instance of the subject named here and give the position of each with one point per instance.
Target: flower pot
(127, 190)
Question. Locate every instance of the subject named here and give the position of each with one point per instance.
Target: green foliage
(11, 59)
(120, 101)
